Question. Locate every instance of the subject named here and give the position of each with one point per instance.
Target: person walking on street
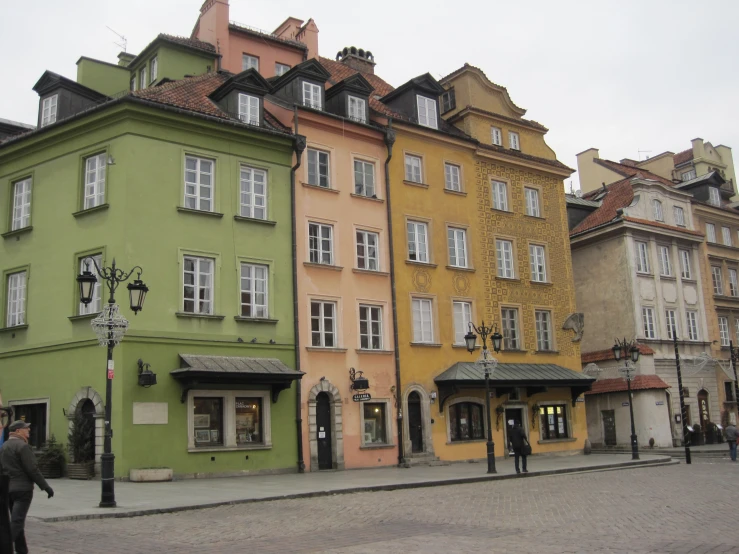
(18, 462)
(731, 436)
(517, 439)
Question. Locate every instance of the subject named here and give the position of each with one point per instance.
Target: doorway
(513, 416)
(35, 414)
(323, 431)
(415, 422)
(609, 427)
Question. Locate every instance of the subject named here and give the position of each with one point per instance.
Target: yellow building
(480, 233)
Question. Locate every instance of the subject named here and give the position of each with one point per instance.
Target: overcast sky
(619, 75)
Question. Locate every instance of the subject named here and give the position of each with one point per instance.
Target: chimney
(212, 27)
(698, 148)
(357, 58)
(124, 58)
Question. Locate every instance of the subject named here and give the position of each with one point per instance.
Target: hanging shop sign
(361, 397)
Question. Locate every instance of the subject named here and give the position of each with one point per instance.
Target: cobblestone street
(675, 509)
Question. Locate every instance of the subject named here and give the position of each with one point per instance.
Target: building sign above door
(361, 397)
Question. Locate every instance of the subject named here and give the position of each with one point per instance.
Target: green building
(190, 179)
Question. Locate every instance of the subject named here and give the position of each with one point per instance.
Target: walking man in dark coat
(516, 439)
(18, 462)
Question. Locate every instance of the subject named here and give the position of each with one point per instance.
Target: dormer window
(714, 198)
(281, 69)
(513, 142)
(142, 78)
(249, 62)
(249, 109)
(48, 110)
(427, 112)
(133, 83)
(657, 206)
(311, 95)
(448, 101)
(357, 109)
(153, 68)
(688, 175)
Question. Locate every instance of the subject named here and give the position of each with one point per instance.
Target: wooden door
(415, 422)
(323, 430)
(609, 427)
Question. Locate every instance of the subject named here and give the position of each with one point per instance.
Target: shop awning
(535, 378)
(197, 371)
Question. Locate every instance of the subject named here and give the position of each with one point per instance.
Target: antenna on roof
(123, 43)
(640, 152)
(572, 189)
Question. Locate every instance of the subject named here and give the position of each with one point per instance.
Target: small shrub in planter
(81, 444)
(51, 459)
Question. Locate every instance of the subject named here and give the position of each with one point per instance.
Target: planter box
(85, 470)
(50, 470)
(150, 475)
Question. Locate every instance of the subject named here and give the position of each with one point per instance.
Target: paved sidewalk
(79, 499)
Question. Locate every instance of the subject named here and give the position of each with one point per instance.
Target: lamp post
(489, 363)
(110, 327)
(683, 421)
(624, 347)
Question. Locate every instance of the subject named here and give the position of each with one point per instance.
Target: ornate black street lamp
(110, 327)
(623, 348)
(489, 363)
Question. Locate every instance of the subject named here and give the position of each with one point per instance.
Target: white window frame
(538, 263)
(504, 256)
(417, 235)
(423, 320)
(736, 329)
(726, 235)
(686, 271)
(194, 198)
(691, 319)
(153, 69)
(281, 69)
(462, 314)
(321, 333)
(533, 208)
(357, 109)
(710, 232)
(671, 319)
(252, 200)
(21, 215)
(457, 242)
(316, 174)
(511, 329)
(688, 175)
(642, 257)
(496, 136)
(657, 208)
(544, 335)
(413, 168)
(16, 291)
(94, 193)
(426, 112)
(514, 141)
(364, 178)
(248, 62)
(499, 191)
(733, 282)
(717, 279)
(723, 330)
(133, 83)
(96, 306)
(665, 265)
(249, 108)
(714, 196)
(203, 267)
(369, 315)
(312, 95)
(679, 216)
(49, 110)
(368, 250)
(320, 247)
(648, 327)
(452, 177)
(252, 276)
(142, 78)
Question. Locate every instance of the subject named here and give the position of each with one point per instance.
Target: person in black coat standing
(516, 440)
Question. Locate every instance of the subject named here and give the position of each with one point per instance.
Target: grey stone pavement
(674, 509)
(79, 499)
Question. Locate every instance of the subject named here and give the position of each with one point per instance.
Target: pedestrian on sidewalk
(731, 437)
(18, 462)
(516, 440)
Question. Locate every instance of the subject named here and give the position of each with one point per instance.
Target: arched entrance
(91, 404)
(323, 424)
(415, 422)
(324, 399)
(705, 415)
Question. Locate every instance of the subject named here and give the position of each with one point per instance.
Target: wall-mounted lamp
(146, 377)
(111, 160)
(359, 381)
(432, 396)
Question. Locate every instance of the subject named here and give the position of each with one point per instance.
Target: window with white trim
(692, 321)
(685, 269)
(357, 109)
(543, 330)
(254, 293)
(249, 62)
(733, 283)
(21, 204)
(249, 109)
(94, 181)
(418, 241)
(504, 256)
(370, 327)
(153, 69)
(318, 168)
(198, 289)
(423, 323)
(647, 316)
(253, 193)
(714, 196)
(364, 178)
(15, 313)
(96, 305)
(142, 78)
(642, 257)
(679, 216)
(538, 263)
(448, 101)
(426, 112)
(281, 69)
(718, 282)
(671, 321)
(513, 141)
(657, 207)
(723, 330)
(323, 324)
(311, 95)
(532, 202)
(462, 312)
(48, 109)
(413, 171)
(133, 84)
(511, 336)
(229, 419)
(496, 136)
(367, 251)
(710, 232)
(665, 266)
(457, 241)
(451, 177)
(688, 175)
(736, 330)
(321, 243)
(726, 235)
(199, 183)
(500, 195)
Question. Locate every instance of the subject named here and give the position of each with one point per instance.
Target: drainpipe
(299, 147)
(389, 141)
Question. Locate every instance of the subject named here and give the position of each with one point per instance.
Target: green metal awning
(535, 378)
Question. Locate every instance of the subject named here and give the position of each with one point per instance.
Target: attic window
(311, 95)
(153, 69)
(249, 109)
(688, 175)
(427, 112)
(357, 109)
(714, 198)
(48, 110)
(448, 101)
(281, 68)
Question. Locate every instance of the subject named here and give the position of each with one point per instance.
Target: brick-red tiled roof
(191, 42)
(607, 355)
(682, 157)
(640, 382)
(340, 71)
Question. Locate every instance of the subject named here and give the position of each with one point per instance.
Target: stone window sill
(456, 192)
(83, 316)
(324, 349)
(546, 352)
(363, 197)
(427, 344)
(376, 446)
(425, 264)
(194, 449)
(643, 274)
(667, 278)
(539, 217)
(547, 441)
(415, 184)
(254, 220)
(14, 328)
(99, 208)
(370, 351)
(199, 316)
(317, 187)
(17, 232)
(184, 210)
(506, 212)
(542, 283)
(371, 272)
(324, 266)
(515, 279)
(456, 268)
(242, 319)
(465, 346)
(514, 351)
